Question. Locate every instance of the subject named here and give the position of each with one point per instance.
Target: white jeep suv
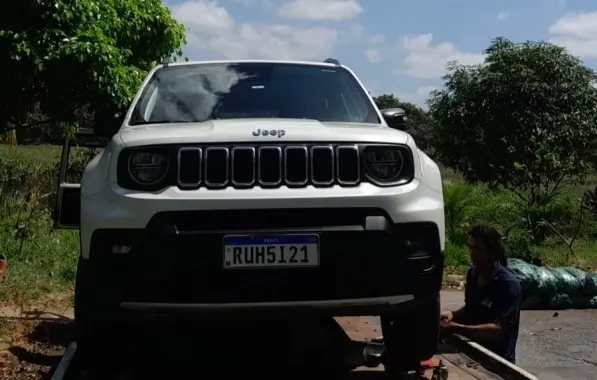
(252, 187)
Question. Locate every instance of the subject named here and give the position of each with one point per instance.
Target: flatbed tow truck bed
(458, 357)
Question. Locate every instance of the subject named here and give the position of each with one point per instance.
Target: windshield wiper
(144, 122)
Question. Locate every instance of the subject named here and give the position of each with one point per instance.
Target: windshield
(195, 93)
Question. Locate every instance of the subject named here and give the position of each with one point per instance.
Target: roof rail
(166, 61)
(333, 61)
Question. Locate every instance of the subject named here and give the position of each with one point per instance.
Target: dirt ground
(32, 342)
(33, 345)
(552, 345)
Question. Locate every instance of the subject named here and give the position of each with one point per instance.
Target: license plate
(271, 251)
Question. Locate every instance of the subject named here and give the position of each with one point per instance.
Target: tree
(418, 120)
(525, 119)
(64, 60)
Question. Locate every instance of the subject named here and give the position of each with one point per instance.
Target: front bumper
(114, 208)
(368, 265)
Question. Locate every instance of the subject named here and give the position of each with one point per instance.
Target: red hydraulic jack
(374, 355)
(440, 372)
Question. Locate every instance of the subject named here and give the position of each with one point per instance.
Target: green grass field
(43, 261)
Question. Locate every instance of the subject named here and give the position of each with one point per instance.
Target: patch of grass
(466, 204)
(45, 263)
(40, 260)
(46, 155)
(554, 253)
(457, 259)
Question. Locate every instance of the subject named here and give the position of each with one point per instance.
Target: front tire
(95, 337)
(411, 338)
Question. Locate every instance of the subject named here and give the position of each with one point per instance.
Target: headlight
(148, 168)
(384, 163)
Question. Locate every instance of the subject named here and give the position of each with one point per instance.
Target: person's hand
(445, 325)
(446, 328)
(447, 316)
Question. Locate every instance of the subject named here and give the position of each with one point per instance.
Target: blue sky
(397, 46)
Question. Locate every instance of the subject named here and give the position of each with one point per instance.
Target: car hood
(245, 131)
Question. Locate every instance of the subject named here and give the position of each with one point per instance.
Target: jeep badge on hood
(273, 132)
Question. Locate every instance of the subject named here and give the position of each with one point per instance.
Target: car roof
(235, 61)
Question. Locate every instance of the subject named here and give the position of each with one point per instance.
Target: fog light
(121, 249)
(418, 245)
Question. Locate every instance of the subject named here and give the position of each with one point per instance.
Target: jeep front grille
(268, 166)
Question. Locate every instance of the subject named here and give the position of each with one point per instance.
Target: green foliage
(418, 120)
(590, 201)
(458, 200)
(524, 119)
(67, 59)
(385, 101)
(466, 204)
(40, 259)
(456, 256)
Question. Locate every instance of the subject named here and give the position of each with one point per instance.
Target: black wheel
(95, 337)
(411, 337)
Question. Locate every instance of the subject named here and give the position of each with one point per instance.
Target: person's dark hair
(492, 240)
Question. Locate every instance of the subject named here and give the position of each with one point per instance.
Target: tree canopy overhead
(525, 119)
(65, 58)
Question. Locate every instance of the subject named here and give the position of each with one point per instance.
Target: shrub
(456, 255)
(40, 259)
(459, 198)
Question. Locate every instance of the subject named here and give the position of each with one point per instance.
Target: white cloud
(355, 32)
(203, 16)
(373, 55)
(418, 97)
(577, 32)
(252, 3)
(318, 10)
(377, 39)
(426, 60)
(210, 26)
(503, 15)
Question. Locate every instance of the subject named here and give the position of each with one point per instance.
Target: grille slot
(270, 165)
(243, 166)
(322, 165)
(216, 166)
(348, 165)
(189, 167)
(296, 165)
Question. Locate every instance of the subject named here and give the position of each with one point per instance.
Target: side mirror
(86, 138)
(395, 118)
(107, 125)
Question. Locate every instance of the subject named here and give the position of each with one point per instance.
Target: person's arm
(459, 316)
(508, 308)
(488, 332)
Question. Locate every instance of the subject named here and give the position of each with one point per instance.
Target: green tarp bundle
(555, 288)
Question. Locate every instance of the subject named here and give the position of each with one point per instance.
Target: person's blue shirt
(498, 302)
